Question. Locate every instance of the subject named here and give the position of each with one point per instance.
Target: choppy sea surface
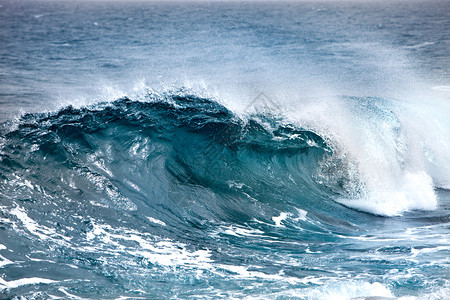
(225, 150)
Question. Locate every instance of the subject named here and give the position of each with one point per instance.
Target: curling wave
(132, 191)
(180, 148)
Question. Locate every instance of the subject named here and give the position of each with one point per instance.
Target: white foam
(23, 281)
(243, 272)
(33, 227)
(156, 221)
(134, 186)
(301, 215)
(349, 290)
(3, 260)
(389, 154)
(236, 230)
(417, 252)
(283, 216)
(169, 254)
(333, 290)
(68, 295)
(234, 184)
(25, 224)
(165, 253)
(416, 193)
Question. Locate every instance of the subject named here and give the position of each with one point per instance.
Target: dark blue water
(256, 150)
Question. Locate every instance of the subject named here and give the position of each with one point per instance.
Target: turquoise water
(224, 150)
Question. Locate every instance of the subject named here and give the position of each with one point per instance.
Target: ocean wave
(179, 145)
(169, 181)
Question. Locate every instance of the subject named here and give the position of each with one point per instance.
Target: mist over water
(224, 150)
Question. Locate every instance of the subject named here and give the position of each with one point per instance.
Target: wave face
(178, 196)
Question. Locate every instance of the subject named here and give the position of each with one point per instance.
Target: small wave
(443, 88)
(420, 45)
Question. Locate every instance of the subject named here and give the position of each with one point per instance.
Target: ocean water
(225, 150)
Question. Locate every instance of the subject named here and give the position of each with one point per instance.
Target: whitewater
(224, 150)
